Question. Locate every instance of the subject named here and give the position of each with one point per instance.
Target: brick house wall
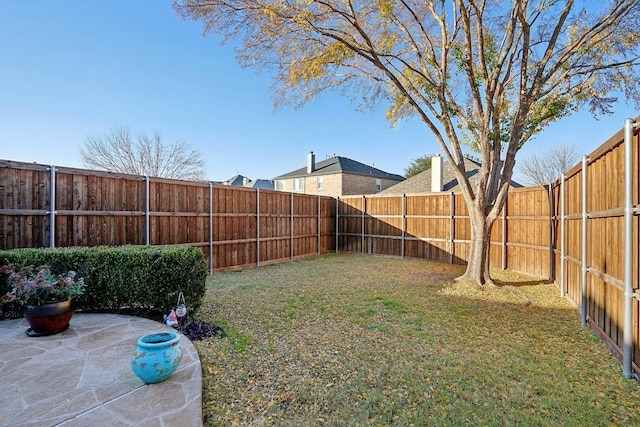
(331, 185)
(342, 184)
(362, 184)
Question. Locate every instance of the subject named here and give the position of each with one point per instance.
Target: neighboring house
(440, 177)
(243, 181)
(336, 176)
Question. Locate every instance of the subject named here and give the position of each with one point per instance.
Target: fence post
(337, 223)
(583, 280)
(257, 227)
(552, 211)
(404, 223)
(364, 204)
(210, 227)
(291, 227)
(504, 233)
(52, 207)
(146, 211)
(319, 201)
(452, 226)
(627, 338)
(562, 235)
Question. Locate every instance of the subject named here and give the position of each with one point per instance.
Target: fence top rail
(11, 164)
(429, 194)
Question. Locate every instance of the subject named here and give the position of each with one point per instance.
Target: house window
(378, 184)
(298, 184)
(280, 185)
(320, 182)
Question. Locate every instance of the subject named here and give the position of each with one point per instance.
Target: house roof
(265, 184)
(243, 181)
(421, 183)
(236, 180)
(339, 164)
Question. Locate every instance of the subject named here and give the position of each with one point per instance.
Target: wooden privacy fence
(436, 226)
(582, 232)
(47, 206)
(572, 232)
(596, 238)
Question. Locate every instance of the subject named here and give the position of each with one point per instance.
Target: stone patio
(83, 377)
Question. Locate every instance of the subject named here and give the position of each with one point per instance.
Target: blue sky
(70, 69)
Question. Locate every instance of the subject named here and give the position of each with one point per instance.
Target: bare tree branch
(546, 167)
(116, 151)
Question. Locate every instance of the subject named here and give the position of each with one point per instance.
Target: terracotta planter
(48, 318)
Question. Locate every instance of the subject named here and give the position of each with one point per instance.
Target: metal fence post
(147, 233)
(319, 201)
(210, 227)
(504, 234)
(337, 223)
(583, 280)
(404, 223)
(562, 235)
(257, 227)
(552, 213)
(452, 226)
(52, 207)
(364, 204)
(627, 338)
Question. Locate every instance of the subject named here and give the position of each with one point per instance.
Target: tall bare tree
(490, 74)
(116, 151)
(545, 167)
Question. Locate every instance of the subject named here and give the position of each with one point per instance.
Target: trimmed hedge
(132, 279)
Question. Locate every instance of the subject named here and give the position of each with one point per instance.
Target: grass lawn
(348, 340)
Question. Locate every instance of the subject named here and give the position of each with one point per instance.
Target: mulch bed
(198, 330)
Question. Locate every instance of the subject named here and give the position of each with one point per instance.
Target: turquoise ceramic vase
(157, 356)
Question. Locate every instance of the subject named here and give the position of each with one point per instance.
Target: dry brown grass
(352, 340)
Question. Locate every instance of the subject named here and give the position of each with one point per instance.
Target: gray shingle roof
(265, 184)
(235, 180)
(339, 164)
(239, 181)
(421, 183)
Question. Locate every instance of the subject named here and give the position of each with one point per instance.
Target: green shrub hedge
(127, 279)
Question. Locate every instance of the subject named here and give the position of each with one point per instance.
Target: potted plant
(48, 299)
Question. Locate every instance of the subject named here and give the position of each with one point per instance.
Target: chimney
(436, 174)
(245, 181)
(311, 162)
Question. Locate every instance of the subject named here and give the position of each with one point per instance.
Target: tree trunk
(478, 264)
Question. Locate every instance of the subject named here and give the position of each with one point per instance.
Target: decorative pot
(48, 318)
(157, 356)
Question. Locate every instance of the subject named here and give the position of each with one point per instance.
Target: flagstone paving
(83, 377)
